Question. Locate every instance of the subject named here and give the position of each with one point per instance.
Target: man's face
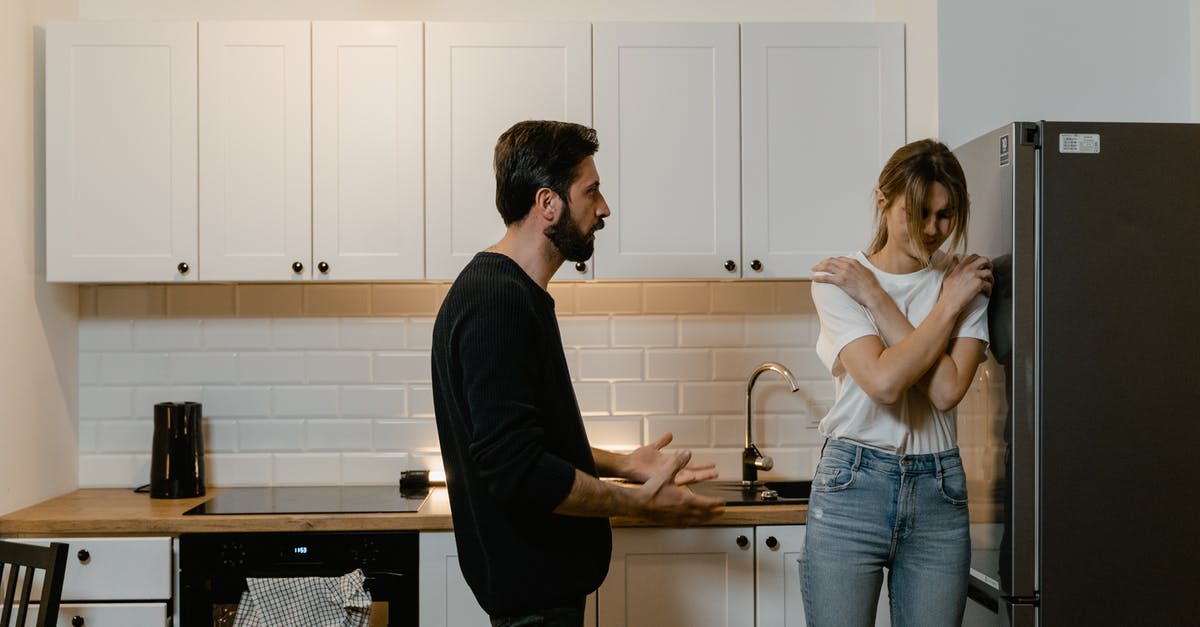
(583, 213)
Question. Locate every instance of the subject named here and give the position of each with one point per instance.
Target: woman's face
(935, 218)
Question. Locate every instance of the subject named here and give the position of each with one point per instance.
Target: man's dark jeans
(549, 617)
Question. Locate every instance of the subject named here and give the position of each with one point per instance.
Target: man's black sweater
(511, 437)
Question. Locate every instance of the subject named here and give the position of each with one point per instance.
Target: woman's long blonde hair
(911, 170)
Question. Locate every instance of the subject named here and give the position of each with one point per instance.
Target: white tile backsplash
(317, 400)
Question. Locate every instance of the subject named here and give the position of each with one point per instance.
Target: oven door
(213, 569)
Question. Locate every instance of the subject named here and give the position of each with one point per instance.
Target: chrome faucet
(752, 459)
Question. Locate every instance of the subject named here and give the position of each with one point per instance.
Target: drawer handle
(84, 556)
(77, 621)
(743, 541)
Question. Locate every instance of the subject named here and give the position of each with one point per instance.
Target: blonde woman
(903, 327)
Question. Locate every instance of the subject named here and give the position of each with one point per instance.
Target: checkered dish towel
(305, 602)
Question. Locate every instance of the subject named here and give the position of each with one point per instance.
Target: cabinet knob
(743, 541)
(77, 621)
(756, 265)
(183, 267)
(83, 555)
(323, 267)
(772, 542)
(730, 265)
(297, 267)
(581, 267)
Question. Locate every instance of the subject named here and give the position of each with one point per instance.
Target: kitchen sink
(734, 493)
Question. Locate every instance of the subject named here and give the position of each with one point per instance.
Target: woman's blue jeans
(870, 510)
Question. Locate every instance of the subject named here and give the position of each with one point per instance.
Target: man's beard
(572, 243)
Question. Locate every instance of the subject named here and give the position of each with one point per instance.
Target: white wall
(1092, 60)
(38, 323)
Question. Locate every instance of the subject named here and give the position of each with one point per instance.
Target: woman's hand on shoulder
(967, 277)
(854, 278)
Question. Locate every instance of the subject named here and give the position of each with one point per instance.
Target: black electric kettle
(177, 454)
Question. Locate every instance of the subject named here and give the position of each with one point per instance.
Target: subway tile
(405, 435)
(373, 468)
(426, 460)
(420, 333)
(742, 297)
(338, 435)
(105, 335)
(113, 471)
(204, 368)
(677, 298)
(737, 364)
(131, 301)
(595, 398)
(563, 294)
(644, 398)
(610, 364)
(713, 398)
(788, 430)
(236, 401)
(678, 365)
(712, 331)
(730, 430)
(87, 435)
(304, 401)
(145, 398)
(105, 402)
(608, 298)
(373, 401)
(306, 333)
(271, 367)
(644, 331)
(794, 297)
(269, 300)
(339, 367)
(416, 299)
(687, 431)
(168, 335)
(804, 363)
(581, 332)
(420, 401)
(790, 464)
(271, 435)
(124, 436)
(773, 395)
(89, 369)
(571, 355)
(197, 300)
(337, 300)
(372, 333)
(307, 468)
(220, 436)
(614, 433)
(401, 367)
(240, 334)
(728, 461)
(778, 331)
(238, 469)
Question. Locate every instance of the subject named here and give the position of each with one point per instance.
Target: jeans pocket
(952, 484)
(833, 475)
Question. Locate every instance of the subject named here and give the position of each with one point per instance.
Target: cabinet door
(778, 597)
(368, 182)
(822, 110)
(667, 116)
(480, 79)
(446, 600)
(120, 151)
(255, 151)
(696, 577)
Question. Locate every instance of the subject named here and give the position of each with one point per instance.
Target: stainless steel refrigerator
(1081, 435)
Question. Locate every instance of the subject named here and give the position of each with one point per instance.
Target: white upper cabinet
(255, 151)
(480, 79)
(121, 151)
(368, 128)
(822, 110)
(667, 116)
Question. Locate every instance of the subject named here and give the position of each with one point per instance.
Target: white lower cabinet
(446, 601)
(125, 582)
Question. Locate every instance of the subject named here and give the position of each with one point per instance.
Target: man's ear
(546, 204)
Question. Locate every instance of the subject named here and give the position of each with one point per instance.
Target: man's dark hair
(535, 154)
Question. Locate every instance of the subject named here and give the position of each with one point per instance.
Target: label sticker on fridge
(1003, 150)
(1079, 143)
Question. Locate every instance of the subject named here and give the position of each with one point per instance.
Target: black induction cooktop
(312, 500)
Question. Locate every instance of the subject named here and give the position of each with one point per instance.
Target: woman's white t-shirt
(912, 425)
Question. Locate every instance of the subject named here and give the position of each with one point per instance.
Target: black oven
(213, 568)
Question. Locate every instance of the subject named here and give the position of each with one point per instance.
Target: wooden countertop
(118, 511)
